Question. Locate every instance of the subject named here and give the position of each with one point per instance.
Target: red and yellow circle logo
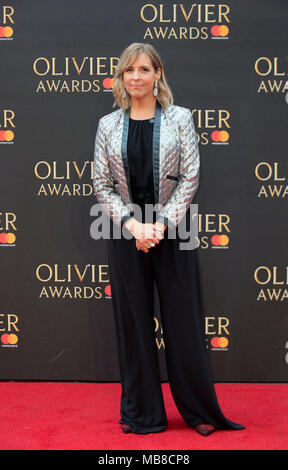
(219, 342)
(7, 238)
(9, 338)
(6, 31)
(108, 83)
(220, 136)
(220, 30)
(220, 240)
(6, 136)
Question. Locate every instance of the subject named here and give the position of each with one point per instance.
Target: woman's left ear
(158, 74)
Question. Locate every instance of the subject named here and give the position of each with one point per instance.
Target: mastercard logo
(9, 339)
(107, 290)
(7, 238)
(220, 240)
(220, 31)
(6, 32)
(108, 83)
(220, 136)
(219, 342)
(6, 136)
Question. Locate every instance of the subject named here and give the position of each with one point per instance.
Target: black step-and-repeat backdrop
(227, 62)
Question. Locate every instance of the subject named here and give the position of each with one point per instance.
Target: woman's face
(139, 77)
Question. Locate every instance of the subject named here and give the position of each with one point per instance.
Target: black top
(139, 152)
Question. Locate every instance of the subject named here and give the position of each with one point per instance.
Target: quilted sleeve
(103, 184)
(175, 208)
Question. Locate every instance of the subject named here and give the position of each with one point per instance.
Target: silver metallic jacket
(176, 164)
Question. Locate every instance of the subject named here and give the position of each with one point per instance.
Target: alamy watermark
(186, 228)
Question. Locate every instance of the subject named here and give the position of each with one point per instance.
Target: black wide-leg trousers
(175, 272)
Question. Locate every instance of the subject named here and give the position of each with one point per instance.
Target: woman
(147, 153)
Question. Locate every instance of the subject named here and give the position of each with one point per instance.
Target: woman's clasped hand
(146, 235)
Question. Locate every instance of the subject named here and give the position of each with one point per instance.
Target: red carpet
(46, 416)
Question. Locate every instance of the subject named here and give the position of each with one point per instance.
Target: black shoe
(125, 428)
(205, 429)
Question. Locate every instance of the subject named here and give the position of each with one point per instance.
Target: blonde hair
(164, 96)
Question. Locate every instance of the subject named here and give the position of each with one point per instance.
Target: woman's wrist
(130, 225)
(160, 225)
